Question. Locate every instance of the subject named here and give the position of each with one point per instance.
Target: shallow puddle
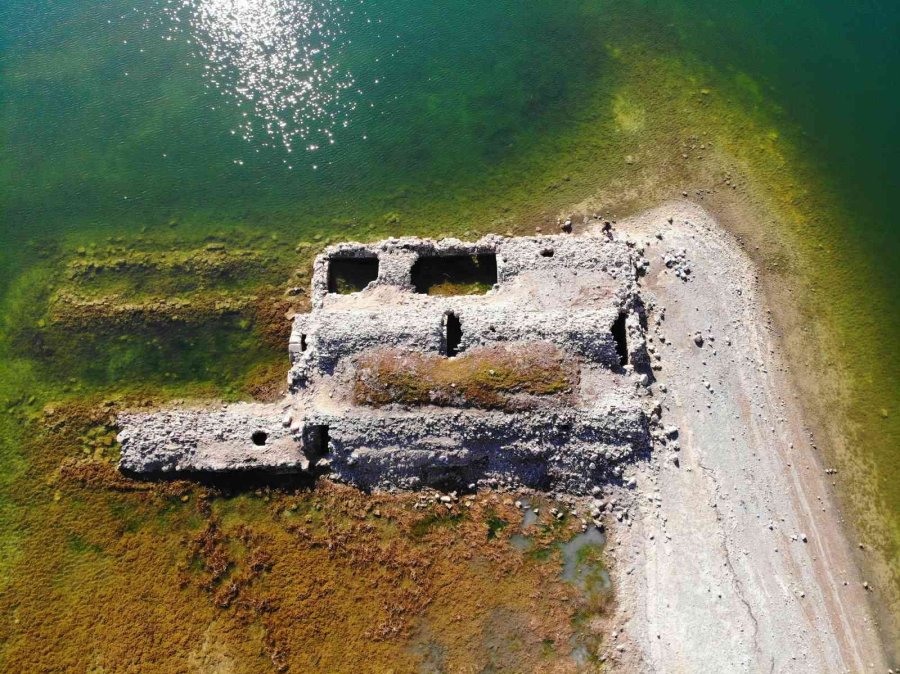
(581, 561)
(529, 518)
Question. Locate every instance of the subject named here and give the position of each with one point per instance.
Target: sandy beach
(731, 556)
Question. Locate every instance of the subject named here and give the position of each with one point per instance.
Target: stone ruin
(507, 361)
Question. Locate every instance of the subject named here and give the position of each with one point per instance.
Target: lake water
(284, 113)
(303, 120)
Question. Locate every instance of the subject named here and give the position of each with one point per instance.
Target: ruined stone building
(442, 363)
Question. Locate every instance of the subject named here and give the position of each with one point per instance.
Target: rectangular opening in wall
(620, 335)
(452, 334)
(316, 441)
(455, 274)
(302, 342)
(351, 274)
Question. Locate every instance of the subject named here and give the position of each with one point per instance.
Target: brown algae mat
(493, 377)
(122, 575)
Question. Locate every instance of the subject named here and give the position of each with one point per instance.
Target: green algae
(426, 525)
(195, 316)
(495, 526)
(651, 122)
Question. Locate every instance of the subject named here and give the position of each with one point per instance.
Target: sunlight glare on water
(276, 60)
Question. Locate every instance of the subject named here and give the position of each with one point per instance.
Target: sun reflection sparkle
(274, 60)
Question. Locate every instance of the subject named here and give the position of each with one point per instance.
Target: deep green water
(175, 120)
(120, 115)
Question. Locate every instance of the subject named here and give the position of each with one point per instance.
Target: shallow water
(303, 115)
(177, 124)
(576, 567)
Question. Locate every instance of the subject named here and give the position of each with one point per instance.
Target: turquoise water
(119, 115)
(173, 120)
(832, 66)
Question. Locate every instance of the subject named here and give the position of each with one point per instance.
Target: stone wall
(564, 291)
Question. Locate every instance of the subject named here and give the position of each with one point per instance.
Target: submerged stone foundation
(516, 361)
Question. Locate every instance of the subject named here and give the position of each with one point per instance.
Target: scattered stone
(678, 262)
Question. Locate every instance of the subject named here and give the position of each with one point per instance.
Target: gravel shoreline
(732, 557)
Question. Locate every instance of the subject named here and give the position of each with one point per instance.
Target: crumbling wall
(566, 449)
(240, 437)
(561, 292)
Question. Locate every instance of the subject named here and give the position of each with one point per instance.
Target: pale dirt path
(713, 574)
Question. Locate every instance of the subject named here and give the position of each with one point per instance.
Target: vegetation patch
(130, 270)
(268, 575)
(495, 526)
(455, 274)
(492, 377)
